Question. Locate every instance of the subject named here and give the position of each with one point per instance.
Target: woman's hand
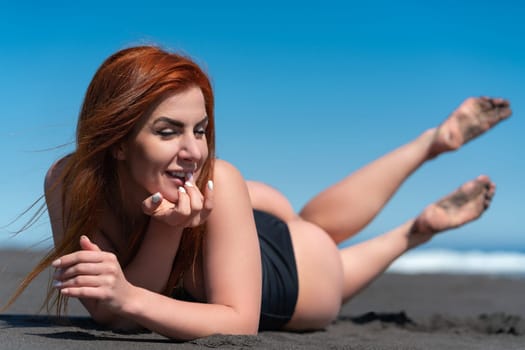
(92, 274)
(191, 210)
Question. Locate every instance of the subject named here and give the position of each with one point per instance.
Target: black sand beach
(395, 312)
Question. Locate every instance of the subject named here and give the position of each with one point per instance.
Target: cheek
(204, 152)
(154, 154)
(144, 162)
(154, 157)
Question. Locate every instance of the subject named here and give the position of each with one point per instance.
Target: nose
(190, 150)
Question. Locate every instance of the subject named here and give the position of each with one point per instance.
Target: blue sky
(306, 92)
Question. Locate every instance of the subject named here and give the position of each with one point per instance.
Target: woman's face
(168, 148)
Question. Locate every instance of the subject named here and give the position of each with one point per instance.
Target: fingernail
(56, 263)
(56, 284)
(182, 189)
(155, 198)
(84, 238)
(57, 273)
(210, 185)
(189, 176)
(189, 184)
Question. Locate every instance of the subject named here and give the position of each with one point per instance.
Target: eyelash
(170, 132)
(201, 131)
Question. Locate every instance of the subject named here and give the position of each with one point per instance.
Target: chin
(171, 196)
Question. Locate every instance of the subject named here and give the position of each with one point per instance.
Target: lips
(183, 176)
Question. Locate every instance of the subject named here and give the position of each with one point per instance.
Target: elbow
(251, 328)
(246, 326)
(253, 331)
(244, 330)
(247, 321)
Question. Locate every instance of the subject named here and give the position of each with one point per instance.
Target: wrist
(159, 227)
(132, 302)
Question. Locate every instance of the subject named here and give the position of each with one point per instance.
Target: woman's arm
(151, 266)
(232, 274)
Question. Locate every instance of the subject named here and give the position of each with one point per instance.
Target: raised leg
(346, 207)
(363, 262)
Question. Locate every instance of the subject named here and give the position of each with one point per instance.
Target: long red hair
(123, 89)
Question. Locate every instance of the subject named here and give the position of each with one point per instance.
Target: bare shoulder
(231, 218)
(225, 172)
(53, 174)
(230, 189)
(103, 236)
(53, 194)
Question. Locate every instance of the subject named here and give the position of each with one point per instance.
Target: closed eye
(201, 127)
(165, 132)
(200, 131)
(167, 127)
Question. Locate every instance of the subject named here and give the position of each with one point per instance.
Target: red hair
(123, 90)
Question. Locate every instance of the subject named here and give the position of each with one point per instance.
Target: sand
(395, 312)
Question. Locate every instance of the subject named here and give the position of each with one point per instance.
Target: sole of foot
(472, 118)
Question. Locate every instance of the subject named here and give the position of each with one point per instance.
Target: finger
(208, 196)
(86, 244)
(79, 281)
(81, 256)
(150, 204)
(84, 292)
(195, 196)
(183, 205)
(190, 184)
(79, 269)
(207, 205)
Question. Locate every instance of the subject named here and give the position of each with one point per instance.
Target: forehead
(184, 105)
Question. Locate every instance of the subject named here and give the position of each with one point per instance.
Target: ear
(119, 151)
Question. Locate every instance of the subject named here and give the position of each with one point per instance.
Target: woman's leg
(363, 262)
(346, 207)
(328, 276)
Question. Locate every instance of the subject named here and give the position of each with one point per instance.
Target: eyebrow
(177, 123)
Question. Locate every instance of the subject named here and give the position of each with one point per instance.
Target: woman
(152, 231)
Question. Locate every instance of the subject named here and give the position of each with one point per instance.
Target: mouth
(182, 176)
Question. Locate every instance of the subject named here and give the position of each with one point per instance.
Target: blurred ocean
(498, 262)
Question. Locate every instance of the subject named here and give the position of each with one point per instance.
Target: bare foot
(471, 119)
(465, 204)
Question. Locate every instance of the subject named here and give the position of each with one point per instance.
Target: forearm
(186, 320)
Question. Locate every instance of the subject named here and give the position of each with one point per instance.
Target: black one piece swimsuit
(280, 285)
